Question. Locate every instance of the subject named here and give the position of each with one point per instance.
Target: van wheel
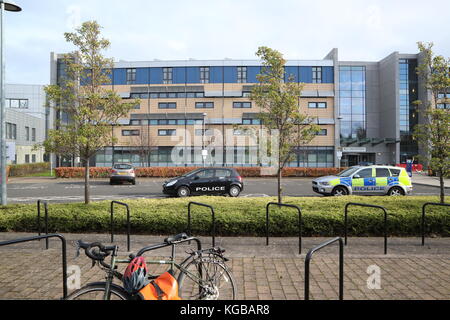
(183, 192)
(396, 191)
(339, 192)
(234, 191)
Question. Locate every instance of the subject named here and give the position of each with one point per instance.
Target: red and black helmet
(135, 276)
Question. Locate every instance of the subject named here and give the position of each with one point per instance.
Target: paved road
(59, 190)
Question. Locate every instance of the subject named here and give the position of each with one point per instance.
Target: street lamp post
(4, 6)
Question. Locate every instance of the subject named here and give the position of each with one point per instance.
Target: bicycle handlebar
(95, 250)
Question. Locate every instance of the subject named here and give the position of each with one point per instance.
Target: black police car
(204, 182)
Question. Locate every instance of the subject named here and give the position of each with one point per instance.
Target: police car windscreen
(348, 172)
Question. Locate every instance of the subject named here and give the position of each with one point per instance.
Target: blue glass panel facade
(179, 75)
(216, 74)
(142, 75)
(193, 75)
(408, 93)
(230, 74)
(352, 101)
(305, 74)
(252, 72)
(291, 72)
(156, 75)
(327, 74)
(120, 76)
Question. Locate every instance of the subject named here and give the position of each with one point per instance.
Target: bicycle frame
(111, 272)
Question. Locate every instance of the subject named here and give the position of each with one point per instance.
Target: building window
(242, 132)
(241, 105)
(131, 76)
(27, 133)
(127, 133)
(33, 158)
(443, 106)
(204, 105)
(322, 132)
(167, 132)
(204, 74)
(200, 132)
(352, 92)
(316, 74)
(317, 105)
(167, 105)
(135, 122)
(11, 131)
(17, 103)
(33, 134)
(251, 121)
(167, 76)
(242, 74)
(27, 158)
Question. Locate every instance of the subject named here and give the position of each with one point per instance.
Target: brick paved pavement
(409, 271)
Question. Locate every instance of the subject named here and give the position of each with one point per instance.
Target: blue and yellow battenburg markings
(403, 179)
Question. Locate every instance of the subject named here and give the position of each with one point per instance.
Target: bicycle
(203, 275)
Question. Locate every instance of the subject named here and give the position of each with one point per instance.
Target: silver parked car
(122, 172)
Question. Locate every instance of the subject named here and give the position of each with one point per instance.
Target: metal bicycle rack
(367, 206)
(128, 222)
(213, 231)
(45, 219)
(47, 236)
(299, 222)
(341, 265)
(423, 216)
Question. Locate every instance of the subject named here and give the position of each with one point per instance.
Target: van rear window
(395, 172)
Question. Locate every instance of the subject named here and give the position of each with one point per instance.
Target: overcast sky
(142, 30)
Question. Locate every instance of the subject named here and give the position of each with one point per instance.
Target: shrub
(21, 170)
(169, 172)
(322, 217)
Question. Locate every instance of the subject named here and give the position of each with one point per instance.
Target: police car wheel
(396, 191)
(183, 192)
(234, 191)
(340, 191)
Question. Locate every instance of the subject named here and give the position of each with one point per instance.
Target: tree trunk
(279, 186)
(86, 182)
(441, 183)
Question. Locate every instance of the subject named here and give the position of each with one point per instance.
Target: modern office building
(26, 122)
(365, 111)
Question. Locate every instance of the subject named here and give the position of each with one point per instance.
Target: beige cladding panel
(321, 113)
(327, 140)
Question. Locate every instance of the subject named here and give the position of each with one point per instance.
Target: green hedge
(21, 170)
(236, 217)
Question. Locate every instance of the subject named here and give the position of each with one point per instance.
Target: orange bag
(165, 287)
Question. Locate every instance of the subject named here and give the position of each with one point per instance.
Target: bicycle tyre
(191, 289)
(96, 291)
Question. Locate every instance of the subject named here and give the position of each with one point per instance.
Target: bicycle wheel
(206, 279)
(97, 292)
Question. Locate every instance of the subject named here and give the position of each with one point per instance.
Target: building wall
(33, 94)
(224, 92)
(381, 140)
(21, 142)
